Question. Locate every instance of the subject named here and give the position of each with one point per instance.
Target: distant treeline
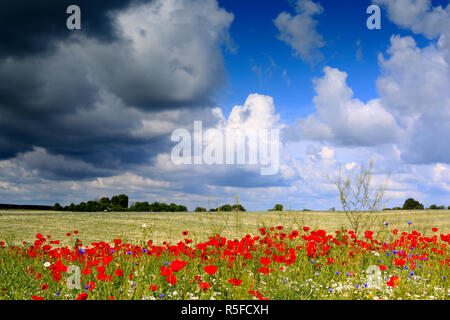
(24, 207)
(120, 203)
(224, 208)
(411, 204)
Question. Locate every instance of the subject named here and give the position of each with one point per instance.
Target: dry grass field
(18, 226)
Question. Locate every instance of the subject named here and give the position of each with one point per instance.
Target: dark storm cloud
(81, 97)
(29, 27)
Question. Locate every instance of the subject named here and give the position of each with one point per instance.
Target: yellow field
(18, 226)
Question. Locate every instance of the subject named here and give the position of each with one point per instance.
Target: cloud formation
(300, 32)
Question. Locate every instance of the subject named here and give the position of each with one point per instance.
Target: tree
(411, 204)
(57, 207)
(360, 202)
(104, 201)
(226, 208)
(200, 209)
(238, 207)
(278, 207)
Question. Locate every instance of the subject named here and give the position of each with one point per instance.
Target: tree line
(120, 203)
(412, 204)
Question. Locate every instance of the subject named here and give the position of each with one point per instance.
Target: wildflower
(393, 281)
(177, 265)
(210, 269)
(265, 261)
(235, 282)
(82, 296)
(204, 285)
(172, 279)
(47, 264)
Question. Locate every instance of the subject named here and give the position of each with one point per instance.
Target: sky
(90, 113)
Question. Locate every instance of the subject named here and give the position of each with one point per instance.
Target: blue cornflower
(112, 251)
(166, 263)
(82, 251)
(386, 224)
(57, 294)
(338, 273)
(330, 290)
(161, 296)
(129, 252)
(409, 222)
(348, 274)
(394, 251)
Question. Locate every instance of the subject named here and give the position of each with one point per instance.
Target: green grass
(18, 226)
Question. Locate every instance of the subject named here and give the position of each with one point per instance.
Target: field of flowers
(275, 263)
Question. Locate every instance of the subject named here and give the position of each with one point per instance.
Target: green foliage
(200, 209)
(278, 207)
(435, 207)
(226, 208)
(411, 204)
(120, 201)
(157, 207)
(57, 207)
(238, 207)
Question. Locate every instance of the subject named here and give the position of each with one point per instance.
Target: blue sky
(339, 92)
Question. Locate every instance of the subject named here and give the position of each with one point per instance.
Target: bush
(57, 207)
(200, 209)
(411, 204)
(238, 207)
(278, 207)
(226, 208)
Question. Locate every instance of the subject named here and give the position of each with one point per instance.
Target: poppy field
(293, 260)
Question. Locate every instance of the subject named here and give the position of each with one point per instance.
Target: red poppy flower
(204, 285)
(393, 281)
(37, 298)
(265, 261)
(44, 287)
(82, 296)
(185, 233)
(382, 268)
(172, 279)
(435, 229)
(106, 260)
(399, 262)
(264, 270)
(211, 269)
(235, 282)
(75, 232)
(165, 271)
(68, 234)
(177, 265)
(90, 285)
(305, 229)
(153, 287)
(118, 272)
(101, 269)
